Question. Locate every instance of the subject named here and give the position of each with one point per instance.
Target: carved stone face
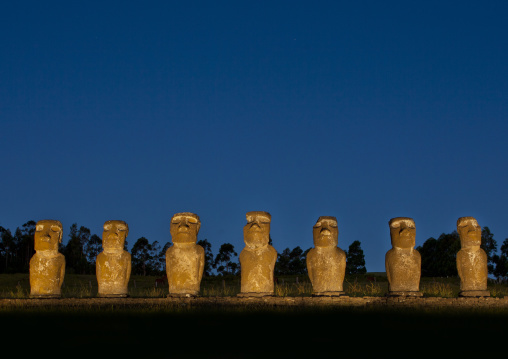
(402, 232)
(256, 233)
(114, 234)
(48, 234)
(325, 232)
(470, 232)
(184, 227)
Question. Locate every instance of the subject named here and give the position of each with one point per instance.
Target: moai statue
(257, 259)
(47, 266)
(113, 264)
(326, 263)
(185, 260)
(471, 259)
(403, 262)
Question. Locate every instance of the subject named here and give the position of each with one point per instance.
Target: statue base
(45, 296)
(255, 294)
(329, 294)
(474, 293)
(404, 293)
(101, 295)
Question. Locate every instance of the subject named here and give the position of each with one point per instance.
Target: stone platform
(346, 301)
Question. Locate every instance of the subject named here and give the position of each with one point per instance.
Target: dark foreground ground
(263, 332)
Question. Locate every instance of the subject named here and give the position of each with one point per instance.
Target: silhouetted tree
(223, 261)
(489, 245)
(92, 248)
(76, 260)
(141, 256)
(355, 259)
(207, 246)
(439, 255)
(501, 261)
(291, 262)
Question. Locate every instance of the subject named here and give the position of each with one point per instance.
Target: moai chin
(47, 265)
(257, 259)
(326, 263)
(471, 259)
(113, 264)
(185, 260)
(403, 262)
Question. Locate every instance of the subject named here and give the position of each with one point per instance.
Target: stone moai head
(256, 233)
(114, 234)
(48, 234)
(184, 228)
(470, 232)
(402, 232)
(325, 232)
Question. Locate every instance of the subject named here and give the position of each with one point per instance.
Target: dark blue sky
(360, 110)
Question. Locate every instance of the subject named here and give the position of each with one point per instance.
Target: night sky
(363, 110)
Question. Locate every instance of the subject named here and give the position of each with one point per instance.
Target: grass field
(177, 331)
(85, 286)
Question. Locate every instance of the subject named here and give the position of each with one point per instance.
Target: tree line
(148, 258)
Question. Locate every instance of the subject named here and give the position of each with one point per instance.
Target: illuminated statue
(185, 260)
(47, 266)
(471, 259)
(326, 263)
(257, 259)
(113, 265)
(403, 262)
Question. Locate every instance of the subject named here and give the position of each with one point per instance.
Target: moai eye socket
(192, 220)
(55, 228)
(39, 227)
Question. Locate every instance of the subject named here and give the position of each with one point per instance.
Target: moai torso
(257, 270)
(472, 268)
(257, 259)
(184, 268)
(185, 260)
(471, 258)
(326, 263)
(113, 265)
(403, 268)
(47, 266)
(403, 262)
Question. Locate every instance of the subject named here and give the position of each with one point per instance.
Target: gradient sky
(362, 110)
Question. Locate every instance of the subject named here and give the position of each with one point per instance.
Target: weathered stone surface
(404, 294)
(416, 302)
(113, 264)
(403, 262)
(47, 266)
(185, 260)
(326, 263)
(257, 259)
(471, 259)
